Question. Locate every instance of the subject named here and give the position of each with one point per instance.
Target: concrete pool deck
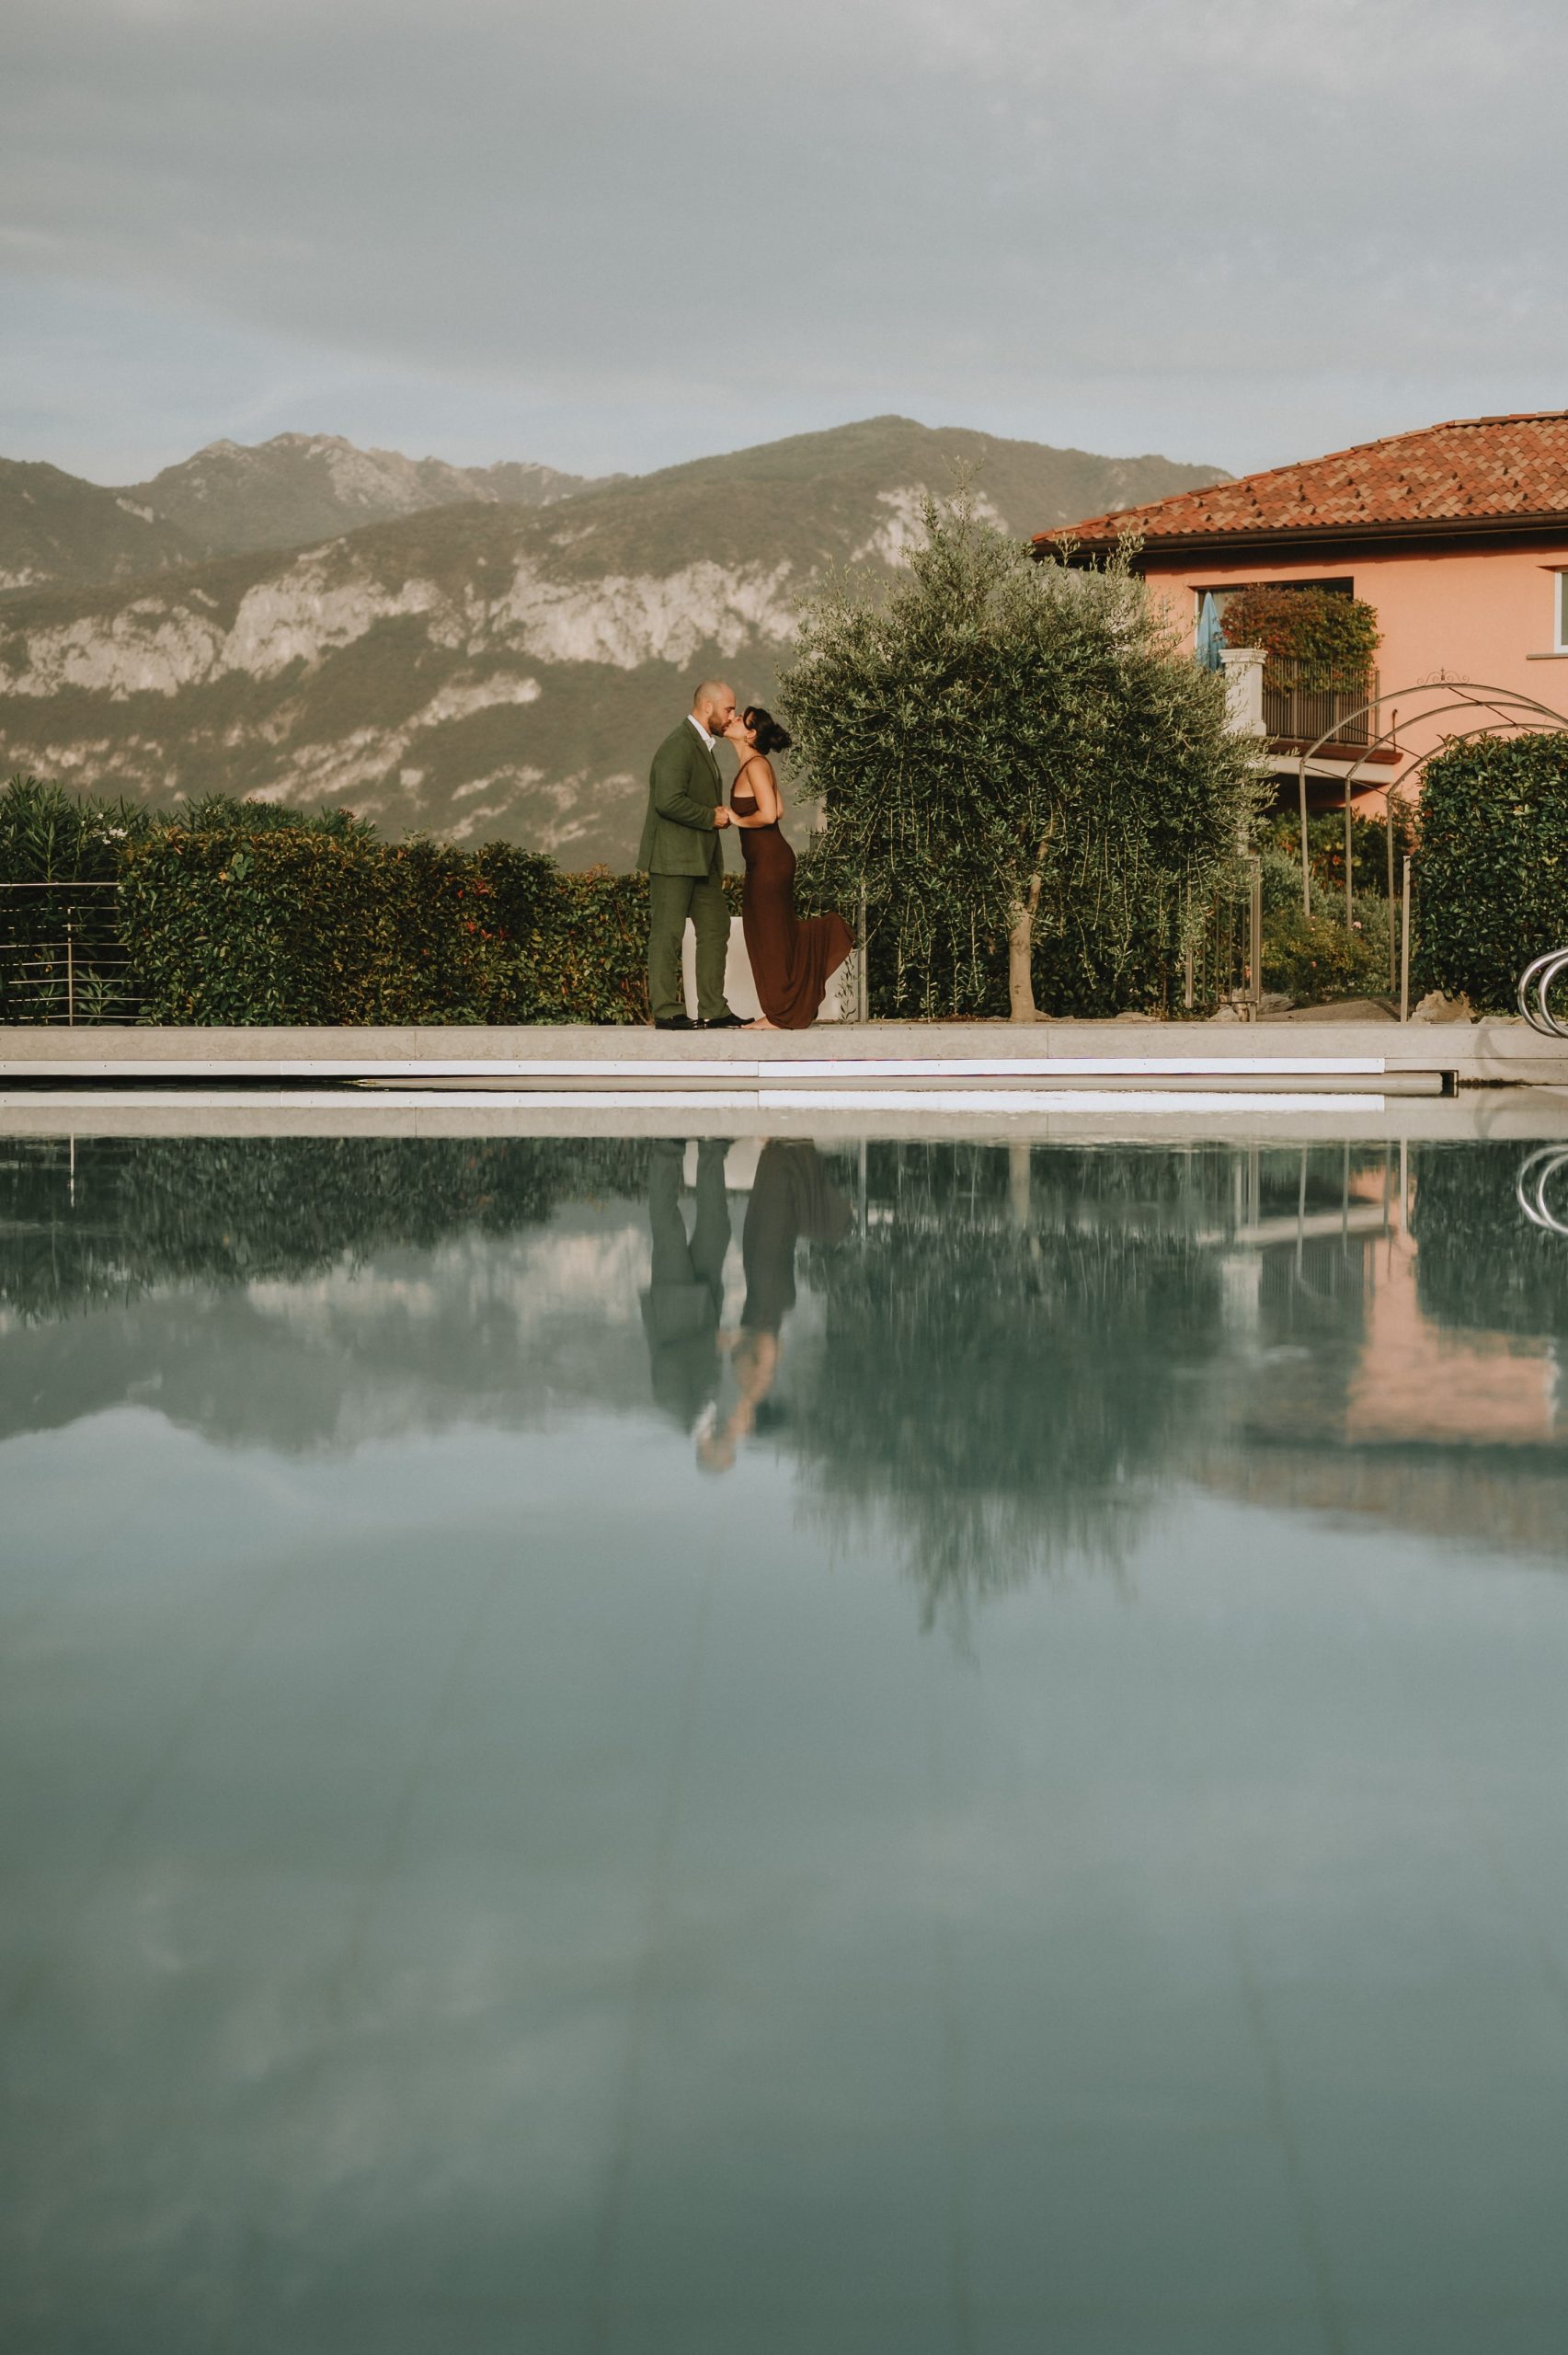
(1281, 1078)
(1283, 1054)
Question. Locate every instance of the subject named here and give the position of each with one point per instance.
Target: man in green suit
(683, 1306)
(683, 857)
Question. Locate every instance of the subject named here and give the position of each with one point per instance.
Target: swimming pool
(628, 1746)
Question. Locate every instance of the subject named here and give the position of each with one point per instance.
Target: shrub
(1280, 838)
(50, 835)
(1334, 636)
(223, 813)
(244, 912)
(1491, 875)
(323, 925)
(295, 924)
(1319, 960)
(590, 951)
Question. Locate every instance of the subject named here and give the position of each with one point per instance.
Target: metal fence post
(1404, 946)
(1306, 846)
(863, 980)
(1255, 934)
(69, 977)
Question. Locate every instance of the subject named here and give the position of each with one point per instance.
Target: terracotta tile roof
(1466, 473)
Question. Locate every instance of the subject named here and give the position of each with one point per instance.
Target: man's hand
(721, 816)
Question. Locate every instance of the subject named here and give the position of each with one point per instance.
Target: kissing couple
(682, 857)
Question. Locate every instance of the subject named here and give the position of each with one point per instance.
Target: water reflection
(1001, 1356)
(683, 1301)
(1011, 1354)
(792, 1199)
(1536, 1189)
(473, 1883)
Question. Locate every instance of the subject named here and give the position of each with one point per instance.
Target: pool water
(625, 1747)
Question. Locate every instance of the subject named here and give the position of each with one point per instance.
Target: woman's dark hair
(771, 737)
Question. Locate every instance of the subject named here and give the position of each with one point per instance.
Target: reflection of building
(1417, 1381)
(1352, 1398)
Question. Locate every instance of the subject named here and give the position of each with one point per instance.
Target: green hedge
(228, 922)
(243, 912)
(1491, 872)
(286, 926)
(295, 926)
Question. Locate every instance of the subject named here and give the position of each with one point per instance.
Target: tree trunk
(1021, 1005)
(1020, 962)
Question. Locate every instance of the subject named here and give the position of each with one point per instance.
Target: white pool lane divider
(1013, 1084)
(1003, 1084)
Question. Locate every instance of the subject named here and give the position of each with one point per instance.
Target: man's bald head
(713, 704)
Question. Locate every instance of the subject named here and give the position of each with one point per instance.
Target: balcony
(1296, 709)
(1282, 698)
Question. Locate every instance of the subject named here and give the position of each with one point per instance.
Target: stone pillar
(1243, 688)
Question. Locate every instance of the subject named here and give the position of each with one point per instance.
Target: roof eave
(1183, 545)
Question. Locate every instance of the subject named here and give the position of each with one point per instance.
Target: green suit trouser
(670, 899)
(683, 1306)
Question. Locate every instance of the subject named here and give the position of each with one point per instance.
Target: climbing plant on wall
(1331, 638)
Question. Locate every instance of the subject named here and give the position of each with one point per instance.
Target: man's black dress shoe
(674, 1022)
(725, 1022)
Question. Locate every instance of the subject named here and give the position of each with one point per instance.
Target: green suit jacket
(684, 789)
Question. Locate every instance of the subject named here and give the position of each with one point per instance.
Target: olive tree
(1013, 755)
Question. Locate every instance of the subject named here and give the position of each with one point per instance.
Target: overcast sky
(617, 233)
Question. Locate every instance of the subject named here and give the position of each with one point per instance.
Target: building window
(1560, 599)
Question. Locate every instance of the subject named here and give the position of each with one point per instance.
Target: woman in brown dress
(791, 960)
(792, 1197)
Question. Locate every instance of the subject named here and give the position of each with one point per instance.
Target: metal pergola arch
(1510, 708)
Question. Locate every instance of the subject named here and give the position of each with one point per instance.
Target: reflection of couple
(683, 857)
(792, 1195)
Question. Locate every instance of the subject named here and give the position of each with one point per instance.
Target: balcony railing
(1298, 709)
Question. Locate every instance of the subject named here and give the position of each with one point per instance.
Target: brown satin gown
(791, 960)
(792, 1195)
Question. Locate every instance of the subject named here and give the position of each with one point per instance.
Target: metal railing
(1536, 984)
(1298, 709)
(61, 958)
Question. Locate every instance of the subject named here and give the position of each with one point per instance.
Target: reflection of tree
(109, 1219)
(1481, 1266)
(1003, 1377)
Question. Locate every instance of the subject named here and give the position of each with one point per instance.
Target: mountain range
(478, 651)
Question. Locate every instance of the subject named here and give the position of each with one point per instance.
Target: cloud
(617, 234)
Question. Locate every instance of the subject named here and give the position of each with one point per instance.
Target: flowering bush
(1332, 637)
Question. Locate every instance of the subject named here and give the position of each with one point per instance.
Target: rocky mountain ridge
(58, 532)
(490, 667)
(302, 486)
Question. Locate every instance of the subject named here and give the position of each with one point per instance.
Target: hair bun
(771, 737)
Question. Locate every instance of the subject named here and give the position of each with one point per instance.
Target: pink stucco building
(1456, 534)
